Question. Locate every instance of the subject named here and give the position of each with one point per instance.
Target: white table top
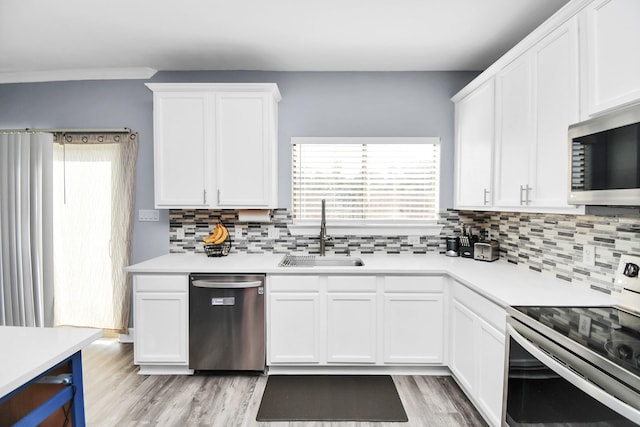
(27, 352)
(500, 281)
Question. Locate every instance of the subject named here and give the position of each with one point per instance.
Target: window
(366, 180)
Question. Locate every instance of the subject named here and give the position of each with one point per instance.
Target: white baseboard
(126, 338)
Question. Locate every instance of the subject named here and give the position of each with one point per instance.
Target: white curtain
(93, 206)
(26, 295)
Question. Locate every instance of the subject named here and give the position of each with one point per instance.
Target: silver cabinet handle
(218, 196)
(525, 189)
(204, 197)
(213, 284)
(484, 200)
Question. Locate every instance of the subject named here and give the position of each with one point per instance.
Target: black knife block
(466, 246)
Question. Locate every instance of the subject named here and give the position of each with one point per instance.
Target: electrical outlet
(238, 233)
(589, 255)
(414, 240)
(273, 232)
(180, 233)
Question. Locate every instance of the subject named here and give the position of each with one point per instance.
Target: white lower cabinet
(294, 328)
(413, 320)
(161, 337)
(477, 350)
(355, 320)
(351, 328)
(293, 320)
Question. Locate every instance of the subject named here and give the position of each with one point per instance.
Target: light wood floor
(115, 395)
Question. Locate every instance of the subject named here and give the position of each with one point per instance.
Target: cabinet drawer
(161, 283)
(293, 283)
(490, 312)
(351, 283)
(417, 284)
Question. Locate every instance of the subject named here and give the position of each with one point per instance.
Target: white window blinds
(366, 179)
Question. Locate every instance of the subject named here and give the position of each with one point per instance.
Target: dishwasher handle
(216, 284)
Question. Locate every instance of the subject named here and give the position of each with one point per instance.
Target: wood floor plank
(115, 395)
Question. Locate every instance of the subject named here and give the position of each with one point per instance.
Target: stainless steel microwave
(604, 160)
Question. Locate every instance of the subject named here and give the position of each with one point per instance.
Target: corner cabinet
(215, 145)
(511, 130)
(161, 314)
(578, 64)
(477, 350)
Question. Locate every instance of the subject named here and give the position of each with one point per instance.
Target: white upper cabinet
(537, 101)
(556, 105)
(246, 129)
(611, 42)
(475, 121)
(537, 97)
(215, 145)
(514, 135)
(181, 131)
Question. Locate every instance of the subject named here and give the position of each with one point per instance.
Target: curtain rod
(115, 130)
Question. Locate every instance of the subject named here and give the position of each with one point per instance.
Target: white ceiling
(49, 38)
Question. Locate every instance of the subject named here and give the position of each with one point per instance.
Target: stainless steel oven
(572, 366)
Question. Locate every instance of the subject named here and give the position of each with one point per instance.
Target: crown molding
(77, 74)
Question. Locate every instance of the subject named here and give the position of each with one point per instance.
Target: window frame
(300, 227)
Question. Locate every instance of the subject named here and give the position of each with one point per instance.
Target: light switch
(148, 215)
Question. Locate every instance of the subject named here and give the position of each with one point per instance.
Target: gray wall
(313, 104)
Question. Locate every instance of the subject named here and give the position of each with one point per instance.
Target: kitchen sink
(317, 261)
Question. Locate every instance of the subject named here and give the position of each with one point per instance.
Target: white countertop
(27, 352)
(500, 281)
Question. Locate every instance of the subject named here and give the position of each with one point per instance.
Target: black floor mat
(331, 398)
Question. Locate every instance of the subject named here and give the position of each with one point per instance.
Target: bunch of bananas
(219, 235)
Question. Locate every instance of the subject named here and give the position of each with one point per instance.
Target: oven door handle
(591, 389)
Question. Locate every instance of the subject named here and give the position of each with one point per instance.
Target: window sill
(381, 229)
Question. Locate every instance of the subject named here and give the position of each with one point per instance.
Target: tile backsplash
(197, 224)
(550, 244)
(553, 244)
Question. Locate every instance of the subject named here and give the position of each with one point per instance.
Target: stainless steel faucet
(323, 231)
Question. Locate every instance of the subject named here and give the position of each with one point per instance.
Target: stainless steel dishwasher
(226, 322)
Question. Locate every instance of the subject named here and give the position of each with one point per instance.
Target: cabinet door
(294, 328)
(556, 103)
(413, 328)
(462, 351)
(161, 330)
(491, 353)
(351, 328)
(245, 150)
(514, 138)
(475, 121)
(182, 150)
(612, 46)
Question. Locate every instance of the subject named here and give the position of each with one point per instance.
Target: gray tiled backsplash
(550, 244)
